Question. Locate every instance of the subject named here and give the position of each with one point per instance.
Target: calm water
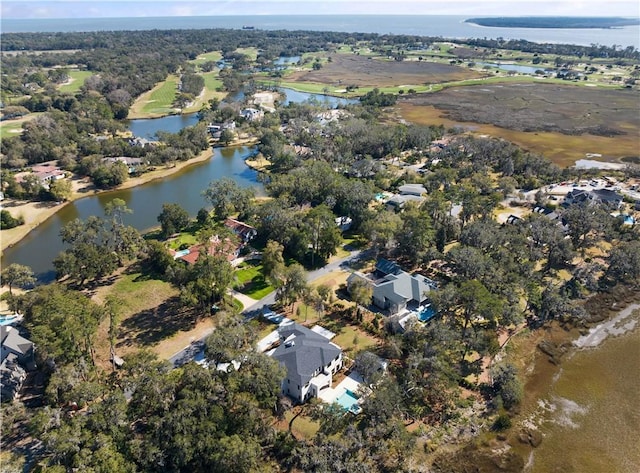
(299, 97)
(447, 26)
(514, 67)
(42, 245)
(590, 416)
(147, 128)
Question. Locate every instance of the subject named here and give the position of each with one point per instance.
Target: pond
(294, 96)
(513, 67)
(42, 245)
(286, 60)
(148, 128)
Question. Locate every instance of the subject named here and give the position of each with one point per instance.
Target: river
(41, 246)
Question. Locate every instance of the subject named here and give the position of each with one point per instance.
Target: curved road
(196, 348)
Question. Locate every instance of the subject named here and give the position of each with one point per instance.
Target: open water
(446, 26)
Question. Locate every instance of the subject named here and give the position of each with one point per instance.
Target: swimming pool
(349, 401)
(426, 313)
(9, 319)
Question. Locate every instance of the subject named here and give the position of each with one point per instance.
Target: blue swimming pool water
(426, 313)
(348, 400)
(7, 319)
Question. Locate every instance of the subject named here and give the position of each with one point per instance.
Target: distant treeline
(554, 22)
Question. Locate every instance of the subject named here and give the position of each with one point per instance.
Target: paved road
(196, 348)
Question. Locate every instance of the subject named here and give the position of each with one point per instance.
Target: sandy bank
(35, 213)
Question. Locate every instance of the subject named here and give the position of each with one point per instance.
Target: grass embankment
(76, 80)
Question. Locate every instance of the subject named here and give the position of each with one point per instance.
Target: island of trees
(482, 222)
(554, 22)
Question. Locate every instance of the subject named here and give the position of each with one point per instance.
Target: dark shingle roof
(303, 352)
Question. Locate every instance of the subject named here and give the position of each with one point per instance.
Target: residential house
(45, 172)
(252, 114)
(310, 359)
(344, 223)
(245, 232)
(133, 164)
(397, 202)
(229, 249)
(216, 129)
(606, 197)
(395, 290)
(141, 142)
(412, 189)
(17, 353)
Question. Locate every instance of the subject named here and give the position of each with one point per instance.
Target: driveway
(252, 308)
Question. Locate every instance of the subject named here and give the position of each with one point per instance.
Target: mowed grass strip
(206, 57)
(158, 101)
(77, 81)
(10, 128)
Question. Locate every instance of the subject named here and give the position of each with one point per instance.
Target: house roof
(240, 228)
(303, 352)
(403, 287)
(194, 251)
(607, 195)
(387, 267)
(412, 189)
(13, 341)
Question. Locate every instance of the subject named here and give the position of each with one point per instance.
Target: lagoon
(42, 245)
(148, 128)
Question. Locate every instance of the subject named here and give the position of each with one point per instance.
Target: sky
(154, 8)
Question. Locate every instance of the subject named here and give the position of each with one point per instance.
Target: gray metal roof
(12, 340)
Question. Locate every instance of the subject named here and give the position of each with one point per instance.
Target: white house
(310, 359)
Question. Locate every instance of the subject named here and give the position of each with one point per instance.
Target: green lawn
(202, 58)
(252, 53)
(77, 81)
(137, 293)
(161, 99)
(212, 80)
(251, 282)
(184, 238)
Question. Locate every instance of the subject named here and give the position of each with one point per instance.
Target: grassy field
(14, 127)
(212, 83)
(251, 281)
(252, 53)
(147, 314)
(76, 81)
(202, 58)
(158, 101)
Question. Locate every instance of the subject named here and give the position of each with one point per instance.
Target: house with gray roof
(16, 355)
(310, 359)
(395, 290)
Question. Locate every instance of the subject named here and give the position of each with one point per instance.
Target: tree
(507, 385)
(63, 323)
(17, 275)
(624, 262)
(361, 292)
(227, 197)
(7, 220)
(227, 136)
(60, 189)
(416, 234)
(273, 263)
(207, 280)
(369, 365)
(584, 222)
(323, 233)
(294, 285)
(173, 219)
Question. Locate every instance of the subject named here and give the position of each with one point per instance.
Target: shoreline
(36, 213)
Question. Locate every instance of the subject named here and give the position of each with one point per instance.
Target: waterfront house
(310, 359)
(245, 232)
